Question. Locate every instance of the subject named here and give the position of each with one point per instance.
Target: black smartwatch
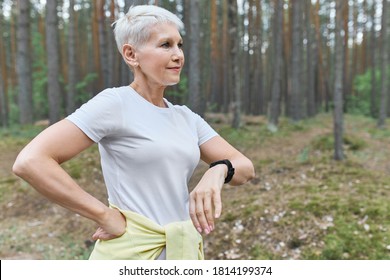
(230, 172)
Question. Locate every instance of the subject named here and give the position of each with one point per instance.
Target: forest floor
(301, 205)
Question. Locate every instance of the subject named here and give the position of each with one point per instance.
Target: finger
(208, 211)
(97, 233)
(193, 216)
(217, 204)
(200, 214)
(103, 235)
(107, 236)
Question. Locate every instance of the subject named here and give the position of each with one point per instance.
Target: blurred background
(300, 86)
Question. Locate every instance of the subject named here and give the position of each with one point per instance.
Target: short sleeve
(204, 130)
(100, 116)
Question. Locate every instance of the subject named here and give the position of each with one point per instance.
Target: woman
(149, 149)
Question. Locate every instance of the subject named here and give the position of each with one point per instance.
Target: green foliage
(304, 155)
(359, 103)
(39, 76)
(16, 132)
(180, 91)
(13, 106)
(259, 252)
(326, 142)
(229, 217)
(74, 168)
(354, 240)
(82, 94)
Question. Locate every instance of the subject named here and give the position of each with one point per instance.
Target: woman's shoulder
(113, 92)
(183, 109)
(109, 96)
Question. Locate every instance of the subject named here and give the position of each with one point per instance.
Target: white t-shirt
(148, 153)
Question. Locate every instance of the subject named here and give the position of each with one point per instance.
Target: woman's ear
(129, 55)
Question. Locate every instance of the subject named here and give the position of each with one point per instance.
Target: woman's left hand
(205, 199)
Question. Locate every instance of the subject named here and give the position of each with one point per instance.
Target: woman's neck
(151, 94)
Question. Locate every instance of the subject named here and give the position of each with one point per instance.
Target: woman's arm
(39, 164)
(205, 199)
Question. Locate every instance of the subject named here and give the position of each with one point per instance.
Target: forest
(301, 86)
(249, 57)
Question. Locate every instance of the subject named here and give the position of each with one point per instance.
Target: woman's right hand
(113, 226)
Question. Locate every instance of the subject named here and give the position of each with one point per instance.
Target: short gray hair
(134, 27)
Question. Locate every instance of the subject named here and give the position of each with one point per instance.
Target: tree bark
(3, 77)
(195, 96)
(310, 94)
(226, 65)
(277, 58)
(346, 69)
(384, 58)
(296, 63)
(72, 65)
(373, 95)
(24, 72)
(53, 69)
(103, 43)
(338, 125)
(215, 56)
(321, 67)
(259, 97)
(234, 57)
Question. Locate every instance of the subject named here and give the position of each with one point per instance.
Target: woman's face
(161, 59)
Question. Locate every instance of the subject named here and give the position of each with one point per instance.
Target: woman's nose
(177, 54)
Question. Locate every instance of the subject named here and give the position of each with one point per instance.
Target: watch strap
(230, 172)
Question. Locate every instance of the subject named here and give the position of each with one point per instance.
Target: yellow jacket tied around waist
(145, 240)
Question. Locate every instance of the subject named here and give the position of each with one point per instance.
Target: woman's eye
(180, 45)
(165, 45)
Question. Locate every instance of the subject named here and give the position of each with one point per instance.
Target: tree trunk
(53, 85)
(259, 98)
(97, 67)
(24, 71)
(277, 58)
(72, 65)
(14, 50)
(226, 65)
(310, 94)
(346, 69)
(338, 84)
(234, 57)
(195, 96)
(321, 69)
(247, 64)
(286, 62)
(111, 55)
(215, 56)
(3, 77)
(296, 63)
(384, 57)
(103, 42)
(3, 104)
(373, 95)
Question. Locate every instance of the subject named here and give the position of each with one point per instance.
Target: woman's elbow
(250, 170)
(20, 166)
(247, 173)
(23, 165)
